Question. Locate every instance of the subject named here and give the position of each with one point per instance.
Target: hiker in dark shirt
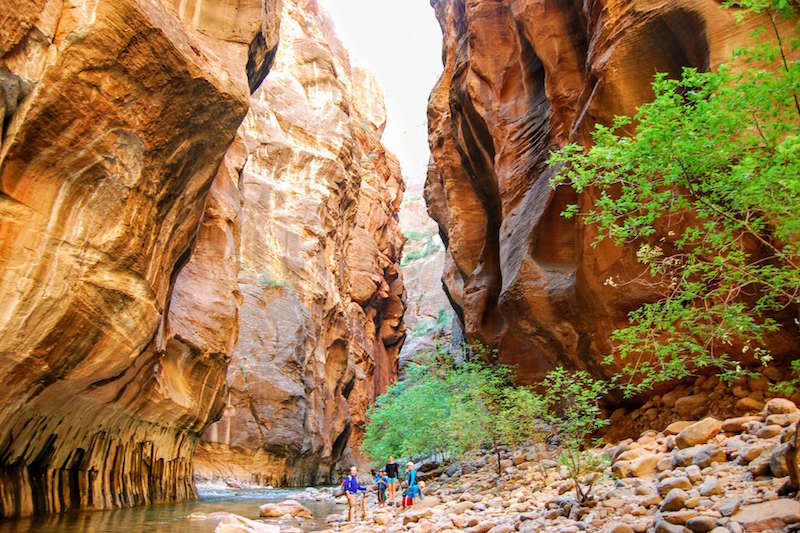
(392, 473)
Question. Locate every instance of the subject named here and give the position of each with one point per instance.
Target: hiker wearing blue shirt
(351, 488)
(381, 483)
(413, 491)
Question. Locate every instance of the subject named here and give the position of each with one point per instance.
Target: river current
(174, 518)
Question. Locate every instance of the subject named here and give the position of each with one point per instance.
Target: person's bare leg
(350, 507)
(364, 506)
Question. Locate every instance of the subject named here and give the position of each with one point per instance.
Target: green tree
(571, 407)
(402, 421)
(707, 189)
(478, 394)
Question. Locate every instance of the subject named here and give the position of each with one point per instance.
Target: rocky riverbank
(693, 475)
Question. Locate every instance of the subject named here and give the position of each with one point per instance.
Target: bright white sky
(400, 42)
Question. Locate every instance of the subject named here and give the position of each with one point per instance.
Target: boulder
(286, 507)
(780, 406)
(701, 456)
(675, 500)
(698, 433)
(231, 523)
(662, 526)
(710, 487)
(701, 524)
(670, 483)
(779, 461)
(677, 427)
(690, 406)
(749, 405)
(641, 466)
(737, 425)
(616, 527)
(783, 419)
(771, 515)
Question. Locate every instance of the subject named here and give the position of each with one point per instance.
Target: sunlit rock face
(320, 320)
(428, 315)
(116, 115)
(522, 77)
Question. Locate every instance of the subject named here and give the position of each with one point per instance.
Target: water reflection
(173, 518)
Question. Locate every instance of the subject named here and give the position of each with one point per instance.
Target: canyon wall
(152, 257)
(318, 257)
(116, 115)
(522, 77)
(428, 314)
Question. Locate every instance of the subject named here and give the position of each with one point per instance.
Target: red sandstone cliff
(322, 299)
(522, 77)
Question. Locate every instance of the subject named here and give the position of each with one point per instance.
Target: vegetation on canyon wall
(703, 180)
(712, 163)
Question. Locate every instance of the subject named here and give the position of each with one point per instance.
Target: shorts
(391, 480)
(408, 502)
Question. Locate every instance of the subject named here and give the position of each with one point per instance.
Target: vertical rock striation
(113, 348)
(317, 253)
(522, 77)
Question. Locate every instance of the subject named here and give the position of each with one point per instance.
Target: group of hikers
(386, 484)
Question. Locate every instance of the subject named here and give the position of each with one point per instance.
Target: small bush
(265, 280)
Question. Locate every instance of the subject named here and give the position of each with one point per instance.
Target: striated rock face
(317, 250)
(113, 349)
(522, 77)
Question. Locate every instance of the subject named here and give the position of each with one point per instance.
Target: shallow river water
(173, 518)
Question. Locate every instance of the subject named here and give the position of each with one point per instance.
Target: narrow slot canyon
(234, 233)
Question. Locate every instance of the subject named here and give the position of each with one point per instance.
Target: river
(173, 518)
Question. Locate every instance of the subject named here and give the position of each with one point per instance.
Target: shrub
(265, 280)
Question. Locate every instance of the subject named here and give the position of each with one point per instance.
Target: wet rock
(231, 523)
(286, 507)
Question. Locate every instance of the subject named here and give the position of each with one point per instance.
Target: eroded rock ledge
(115, 117)
(522, 77)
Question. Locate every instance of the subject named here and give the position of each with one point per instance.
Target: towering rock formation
(318, 253)
(522, 77)
(116, 115)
